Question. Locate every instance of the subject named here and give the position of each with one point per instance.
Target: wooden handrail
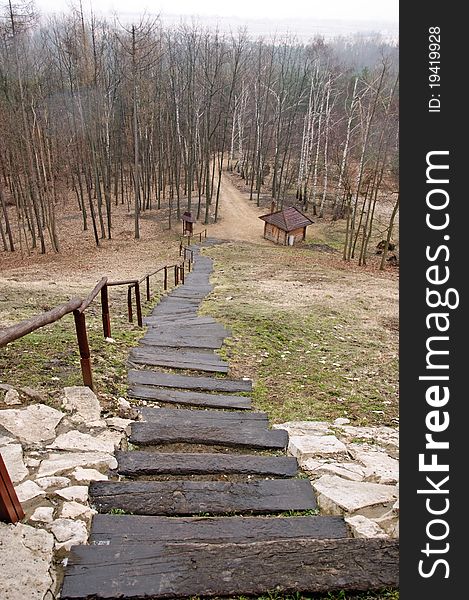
(9, 334)
(92, 295)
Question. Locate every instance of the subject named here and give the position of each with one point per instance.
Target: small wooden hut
(285, 226)
(187, 223)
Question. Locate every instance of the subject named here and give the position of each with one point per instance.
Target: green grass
(309, 361)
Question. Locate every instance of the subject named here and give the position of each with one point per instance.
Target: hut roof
(287, 219)
(187, 216)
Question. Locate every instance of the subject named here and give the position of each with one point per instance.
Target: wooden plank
(170, 396)
(190, 341)
(249, 435)
(187, 382)
(174, 570)
(195, 361)
(185, 463)
(135, 529)
(179, 320)
(195, 497)
(202, 417)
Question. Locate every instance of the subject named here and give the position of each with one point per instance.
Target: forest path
(238, 216)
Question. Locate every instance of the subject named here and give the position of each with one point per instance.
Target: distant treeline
(150, 117)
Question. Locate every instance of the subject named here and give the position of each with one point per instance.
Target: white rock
(26, 556)
(74, 492)
(46, 483)
(6, 439)
(59, 463)
(32, 462)
(82, 403)
(337, 496)
(12, 397)
(387, 437)
(389, 522)
(341, 421)
(69, 533)
(28, 490)
(118, 423)
(80, 474)
(305, 427)
(313, 446)
(73, 510)
(349, 470)
(43, 514)
(364, 528)
(13, 458)
(84, 442)
(35, 423)
(379, 467)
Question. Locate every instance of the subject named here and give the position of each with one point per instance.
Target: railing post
(176, 275)
(205, 231)
(138, 304)
(82, 337)
(105, 312)
(129, 304)
(165, 284)
(10, 507)
(200, 237)
(180, 248)
(148, 287)
(182, 272)
(189, 265)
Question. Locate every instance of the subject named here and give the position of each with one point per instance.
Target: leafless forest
(96, 114)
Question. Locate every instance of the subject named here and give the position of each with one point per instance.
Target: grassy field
(318, 338)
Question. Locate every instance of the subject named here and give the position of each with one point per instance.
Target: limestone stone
(305, 427)
(74, 492)
(43, 514)
(28, 490)
(5, 438)
(33, 394)
(338, 496)
(13, 458)
(35, 423)
(84, 442)
(387, 437)
(82, 403)
(379, 467)
(364, 528)
(341, 421)
(26, 555)
(68, 533)
(126, 410)
(74, 510)
(312, 446)
(67, 461)
(12, 398)
(348, 470)
(47, 483)
(80, 474)
(389, 522)
(118, 423)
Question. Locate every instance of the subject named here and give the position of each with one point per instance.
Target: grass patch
(312, 356)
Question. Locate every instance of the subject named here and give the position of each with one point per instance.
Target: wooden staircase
(210, 505)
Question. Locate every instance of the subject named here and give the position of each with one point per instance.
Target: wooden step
(212, 384)
(137, 463)
(184, 342)
(136, 529)
(180, 321)
(178, 359)
(146, 392)
(179, 570)
(248, 435)
(195, 497)
(196, 418)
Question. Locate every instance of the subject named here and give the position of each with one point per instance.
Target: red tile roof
(287, 219)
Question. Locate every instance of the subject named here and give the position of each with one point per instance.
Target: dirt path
(238, 216)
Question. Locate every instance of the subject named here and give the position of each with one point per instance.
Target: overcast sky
(369, 10)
